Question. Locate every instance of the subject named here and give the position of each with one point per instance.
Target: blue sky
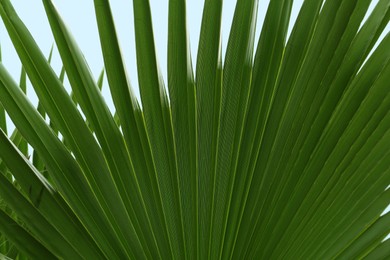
(79, 16)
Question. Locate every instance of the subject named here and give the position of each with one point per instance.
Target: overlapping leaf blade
(182, 102)
(133, 125)
(113, 146)
(36, 223)
(381, 251)
(3, 122)
(158, 120)
(265, 71)
(25, 242)
(234, 99)
(282, 157)
(208, 96)
(312, 71)
(63, 168)
(40, 76)
(51, 205)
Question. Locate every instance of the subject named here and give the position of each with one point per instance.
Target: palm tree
(279, 155)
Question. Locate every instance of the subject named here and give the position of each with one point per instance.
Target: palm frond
(279, 152)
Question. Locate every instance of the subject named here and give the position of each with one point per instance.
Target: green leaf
(208, 95)
(60, 163)
(183, 106)
(158, 121)
(24, 241)
(108, 134)
(51, 204)
(348, 107)
(266, 66)
(234, 100)
(35, 222)
(382, 251)
(371, 117)
(279, 155)
(3, 257)
(23, 147)
(3, 122)
(56, 102)
(373, 235)
(36, 158)
(133, 127)
(333, 49)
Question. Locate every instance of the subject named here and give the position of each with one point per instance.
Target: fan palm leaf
(281, 151)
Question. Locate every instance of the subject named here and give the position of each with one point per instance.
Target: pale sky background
(82, 23)
(80, 17)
